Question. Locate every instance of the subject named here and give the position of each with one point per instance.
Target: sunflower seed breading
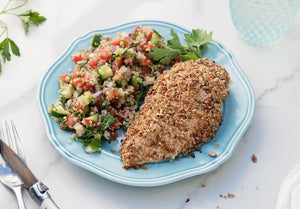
(180, 111)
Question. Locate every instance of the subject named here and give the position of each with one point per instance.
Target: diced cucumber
(86, 98)
(67, 91)
(93, 117)
(58, 111)
(105, 71)
(155, 37)
(119, 51)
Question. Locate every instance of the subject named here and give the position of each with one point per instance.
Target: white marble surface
(274, 72)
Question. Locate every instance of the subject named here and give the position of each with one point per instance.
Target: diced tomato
(147, 46)
(65, 127)
(149, 35)
(98, 104)
(148, 32)
(93, 63)
(112, 95)
(117, 64)
(105, 55)
(161, 69)
(63, 77)
(146, 70)
(113, 135)
(79, 106)
(126, 41)
(74, 75)
(146, 62)
(135, 90)
(137, 29)
(77, 82)
(178, 58)
(115, 42)
(120, 62)
(70, 120)
(116, 124)
(87, 84)
(77, 59)
(89, 123)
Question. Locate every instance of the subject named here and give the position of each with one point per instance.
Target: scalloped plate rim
(226, 154)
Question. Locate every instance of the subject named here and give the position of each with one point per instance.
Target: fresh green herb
(88, 134)
(8, 46)
(96, 40)
(30, 17)
(118, 83)
(63, 99)
(197, 41)
(95, 144)
(133, 36)
(108, 119)
(92, 139)
(81, 63)
(141, 94)
(195, 45)
(130, 54)
(95, 100)
(104, 104)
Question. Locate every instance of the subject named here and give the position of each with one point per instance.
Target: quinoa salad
(102, 93)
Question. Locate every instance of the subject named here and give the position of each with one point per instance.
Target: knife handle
(49, 204)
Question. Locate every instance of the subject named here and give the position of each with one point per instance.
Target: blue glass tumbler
(262, 22)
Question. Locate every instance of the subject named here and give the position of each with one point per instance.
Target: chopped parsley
(195, 45)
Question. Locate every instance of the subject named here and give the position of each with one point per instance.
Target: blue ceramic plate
(237, 114)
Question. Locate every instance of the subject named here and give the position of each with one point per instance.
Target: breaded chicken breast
(181, 110)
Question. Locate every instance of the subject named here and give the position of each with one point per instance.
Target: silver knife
(38, 191)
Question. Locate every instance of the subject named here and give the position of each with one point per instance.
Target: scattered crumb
(217, 207)
(203, 185)
(257, 188)
(192, 155)
(144, 167)
(177, 158)
(113, 151)
(243, 187)
(197, 148)
(216, 145)
(212, 154)
(229, 195)
(215, 140)
(187, 200)
(72, 136)
(70, 70)
(254, 158)
(69, 142)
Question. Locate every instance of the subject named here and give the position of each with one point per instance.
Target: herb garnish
(8, 46)
(195, 45)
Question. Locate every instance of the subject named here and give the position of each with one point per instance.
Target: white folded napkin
(289, 192)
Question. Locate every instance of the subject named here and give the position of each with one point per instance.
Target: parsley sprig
(8, 46)
(93, 138)
(195, 45)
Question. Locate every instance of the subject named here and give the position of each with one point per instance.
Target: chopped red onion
(98, 94)
(113, 48)
(129, 35)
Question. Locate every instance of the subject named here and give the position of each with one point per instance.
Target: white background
(274, 72)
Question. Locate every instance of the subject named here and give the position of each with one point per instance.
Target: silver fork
(7, 176)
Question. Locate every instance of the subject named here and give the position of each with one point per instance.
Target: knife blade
(37, 189)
